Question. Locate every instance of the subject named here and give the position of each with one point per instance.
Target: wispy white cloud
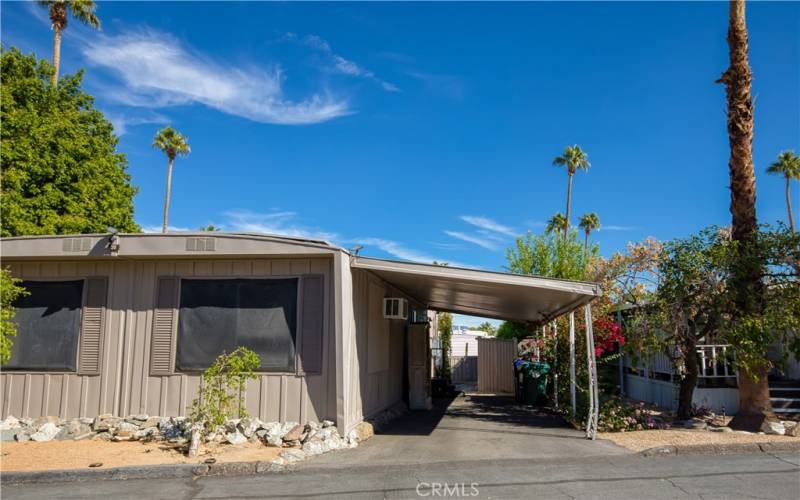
(157, 229)
(616, 228)
(338, 63)
(280, 223)
(481, 242)
(396, 249)
(158, 70)
(121, 121)
(488, 224)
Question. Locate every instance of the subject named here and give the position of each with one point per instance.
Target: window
(48, 326)
(222, 314)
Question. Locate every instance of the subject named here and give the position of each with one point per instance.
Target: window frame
(298, 370)
(84, 291)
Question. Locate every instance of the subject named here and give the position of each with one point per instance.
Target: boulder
(335, 443)
(150, 422)
(248, 426)
(232, 425)
(314, 447)
(774, 428)
(22, 436)
(102, 436)
(362, 432)
(72, 429)
(235, 438)
(9, 423)
(46, 432)
(328, 423)
(8, 434)
(105, 422)
(40, 421)
(793, 431)
(294, 434)
(274, 440)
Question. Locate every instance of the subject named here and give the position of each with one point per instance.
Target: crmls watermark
(434, 489)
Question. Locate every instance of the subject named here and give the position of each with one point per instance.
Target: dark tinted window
(48, 326)
(221, 315)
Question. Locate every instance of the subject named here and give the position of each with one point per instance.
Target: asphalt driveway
(469, 428)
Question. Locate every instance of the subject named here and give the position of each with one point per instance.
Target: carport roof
(483, 293)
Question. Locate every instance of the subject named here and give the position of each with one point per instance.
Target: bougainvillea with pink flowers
(607, 336)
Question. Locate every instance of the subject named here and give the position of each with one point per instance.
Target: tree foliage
(487, 327)
(550, 255)
(10, 291)
(62, 173)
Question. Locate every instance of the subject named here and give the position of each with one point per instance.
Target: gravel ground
(30, 456)
(642, 440)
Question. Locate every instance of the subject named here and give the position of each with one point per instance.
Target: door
(419, 389)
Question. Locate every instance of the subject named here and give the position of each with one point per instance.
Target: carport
(528, 299)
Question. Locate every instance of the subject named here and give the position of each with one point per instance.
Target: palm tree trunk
(569, 202)
(586, 244)
(56, 54)
(789, 204)
(167, 196)
(754, 404)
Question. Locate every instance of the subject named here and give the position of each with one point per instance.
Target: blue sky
(427, 131)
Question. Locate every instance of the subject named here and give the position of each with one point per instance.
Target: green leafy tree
(556, 224)
(787, 165)
(487, 327)
(512, 330)
(224, 383)
(550, 256)
(62, 173)
(574, 158)
(589, 222)
(210, 228)
(445, 321)
(10, 291)
(82, 10)
(173, 144)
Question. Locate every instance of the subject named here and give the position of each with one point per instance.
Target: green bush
(222, 392)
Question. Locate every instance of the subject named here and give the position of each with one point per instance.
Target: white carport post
(594, 393)
(572, 362)
(555, 361)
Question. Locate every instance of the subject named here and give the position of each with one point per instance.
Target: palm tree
(754, 403)
(589, 222)
(788, 165)
(173, 144)
(573, 158)
(82, 10)
(556, 223)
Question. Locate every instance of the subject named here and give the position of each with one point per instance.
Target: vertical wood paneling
(125, 387)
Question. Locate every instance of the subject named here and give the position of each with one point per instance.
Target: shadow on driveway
(471, 428)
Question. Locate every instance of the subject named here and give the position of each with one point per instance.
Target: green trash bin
(534, 382)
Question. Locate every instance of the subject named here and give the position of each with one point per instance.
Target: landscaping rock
(248, 426)
(105, 422)
(40, 421)
(45, 433)
(793, 431)
(695, 424)
(294, 434)
(361, 432)
(328, 423)
(102, 436)
(169, 429)
(720, 429)
(72, 429)
(314, 447)
(235, 438)
(22, 436)
(9, 423)
(775, 428)
(8, 434)
(150, 422)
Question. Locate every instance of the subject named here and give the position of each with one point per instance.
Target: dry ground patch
(642, 440)
(31, 456)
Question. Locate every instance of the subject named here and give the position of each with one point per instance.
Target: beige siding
(375, 345)
(496, 365)
(125, 386)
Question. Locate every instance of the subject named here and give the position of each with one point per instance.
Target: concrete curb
(169, 471)
(723, 449)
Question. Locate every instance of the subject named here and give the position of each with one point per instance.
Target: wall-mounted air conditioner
(395, 308)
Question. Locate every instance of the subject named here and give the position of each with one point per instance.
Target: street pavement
(473, 447)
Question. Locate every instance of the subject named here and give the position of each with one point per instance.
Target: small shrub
(222, 392)
(618, 416)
